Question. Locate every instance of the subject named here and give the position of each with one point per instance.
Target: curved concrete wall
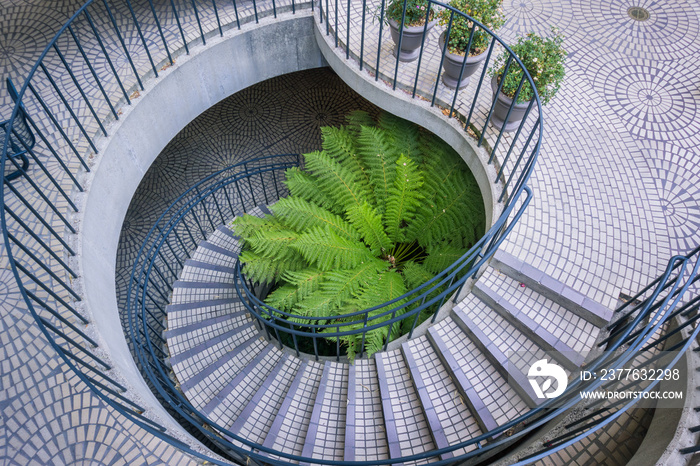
(209, 74)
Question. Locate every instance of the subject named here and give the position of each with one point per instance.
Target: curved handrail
(72, 144)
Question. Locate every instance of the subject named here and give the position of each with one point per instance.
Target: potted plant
(487, 12)
(543, 58)
(413, 26)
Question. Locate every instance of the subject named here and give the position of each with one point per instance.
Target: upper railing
(97, 63)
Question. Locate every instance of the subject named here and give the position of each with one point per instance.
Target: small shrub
(487, 12)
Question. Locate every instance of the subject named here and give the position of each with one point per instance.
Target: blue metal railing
(91, 70)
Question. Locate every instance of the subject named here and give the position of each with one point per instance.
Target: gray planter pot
(412, 37)
(500, 111)
(452, 64)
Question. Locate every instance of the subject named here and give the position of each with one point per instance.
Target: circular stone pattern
(538, 16)
(674, 172)
(654, 102)
(640, 28)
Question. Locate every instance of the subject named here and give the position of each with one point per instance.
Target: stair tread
(257, 417)
(365, 435)
(496, 337)
(190, 292)
(214, 254)
(407, 429)
(184, 314)
(558, 291)
(198, 271)
(325, 437)
(181, 341)
(225, 238)
(228, 404)
(201, 388)
(196, 359)
(448, 416)
(573, 331)
(538, 333)
(493, 400)
(288, 431)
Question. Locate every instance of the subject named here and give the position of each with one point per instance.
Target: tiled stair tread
(185, 314)
(189, 292)
(492, 399)
(213, 254)
(365, 435)
(192, 333)
(496, 337)
(325, 437)
(228, 404)
(407, 430)
(575, 332)
(552, 288)
(197, 359)
(257, 417)
(198, 271)
(529, 327)
(205, 331)
(449, 417)
(288, 431)
(201, 387)
(224, 237)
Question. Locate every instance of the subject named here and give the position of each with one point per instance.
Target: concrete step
(551, 325)
(288, 431)
(215, 254)
(325, 437)
(183, 339)
(552, 288)
(181, 315)
(201, 387)
(491, 399)
(407, 429)
(257, 417)
(228, 404)
(448, 416)
(365, 435)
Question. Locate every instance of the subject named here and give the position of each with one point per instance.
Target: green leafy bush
(415, 11)
(487, 12)
(543, 58)
(382, 209)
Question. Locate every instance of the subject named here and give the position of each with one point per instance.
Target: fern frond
(302, 215)
(441, 256)
(375, 148)
(264, 269)
(415, 274)
(327, 251)
(357, 119)
(405, 198)
(246, 226)
(305, 186)
(284, 297)
(336, 181)
(274, 244)
(403, 136)
(343, 284)
(369, 223)
(340, 144)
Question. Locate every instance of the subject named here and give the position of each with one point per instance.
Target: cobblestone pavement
(616, 193)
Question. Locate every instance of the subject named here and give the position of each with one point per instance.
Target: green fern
(383, 208)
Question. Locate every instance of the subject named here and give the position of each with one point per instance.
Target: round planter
(452, 64)
(412, 37)
(500, 111)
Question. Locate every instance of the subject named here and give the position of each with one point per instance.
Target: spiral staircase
(209, 350)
